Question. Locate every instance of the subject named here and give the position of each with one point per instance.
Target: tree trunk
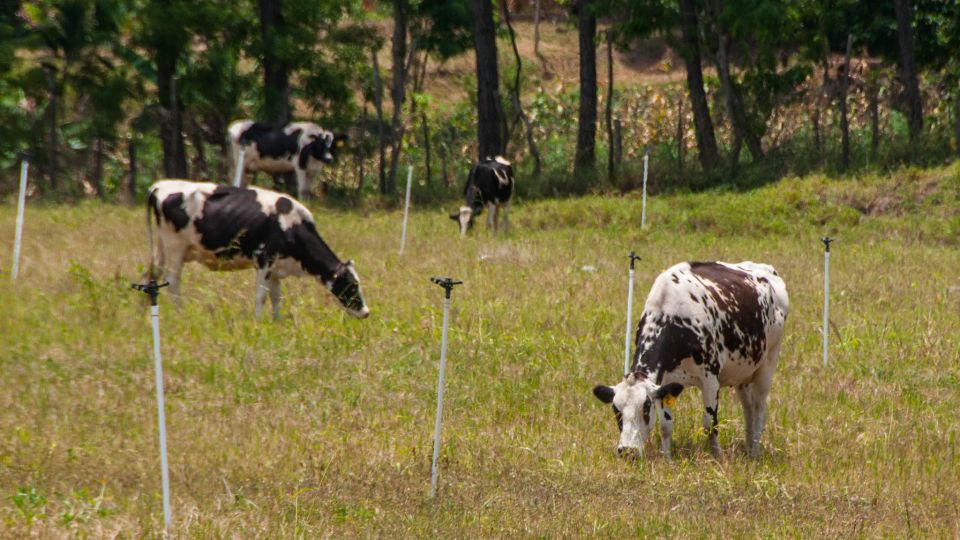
(609, 108)
(680, 130)
(844, 122)
(874, 105)
(381, 136)
(276, 77)
(52, 132)
(956, 115)
(585, 158)
(703, 126)
(515, 93)
(98, 167)
(490, 128)
(908, 68)
(200, 167)
(426, 146)
(734, 103)
(398, 87)
(171, 132)
(132, 153)
(361, 147)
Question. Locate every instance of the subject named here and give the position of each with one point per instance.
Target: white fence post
(448, 284)
(826, 294)
(643, 211)
(406, 208)
(153, 290)
(21, 202)
(626, 340)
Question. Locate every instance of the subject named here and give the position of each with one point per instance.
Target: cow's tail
(151, 209)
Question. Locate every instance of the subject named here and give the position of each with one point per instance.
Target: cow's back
(730, 317)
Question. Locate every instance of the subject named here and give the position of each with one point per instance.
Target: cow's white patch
(500, 160)
(268, 204)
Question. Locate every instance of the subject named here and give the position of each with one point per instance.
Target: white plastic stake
(826, 294)
(406, 208)
(161, 419)
(153, 290)
(448, 285)
(239, 174)
(626, 339)
(21, 202)
(643, 210)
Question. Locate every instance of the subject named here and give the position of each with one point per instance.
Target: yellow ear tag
(669, 400)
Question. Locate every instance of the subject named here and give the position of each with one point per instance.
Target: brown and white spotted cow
(230, 228)
(709, 325)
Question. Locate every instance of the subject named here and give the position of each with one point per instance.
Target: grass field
(320, 425)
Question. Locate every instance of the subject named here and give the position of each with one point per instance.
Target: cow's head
(635, 401)
(345, 285)
(324, 148)
(464, 217)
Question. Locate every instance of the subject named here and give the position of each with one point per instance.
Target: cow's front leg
(491, 217)
(303, 184)
(666, 429)
(711, 400)
(275, 295)
(263, 288)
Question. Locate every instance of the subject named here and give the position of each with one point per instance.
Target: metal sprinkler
(448, 284)
(826, 293)
(152, 289)
(626, 340)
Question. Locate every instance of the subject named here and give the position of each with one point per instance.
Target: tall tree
(398, 87)
(276, 72)
(586, 157)
(908, 68)
(690, 49)
(490, 126)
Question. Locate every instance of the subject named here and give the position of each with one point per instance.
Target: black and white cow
(709, 325)
(490, 183)
(230, 228)
(299, 147)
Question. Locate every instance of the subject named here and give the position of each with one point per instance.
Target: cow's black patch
(233, 224)
(712, 411)
(672, 389)
(674, 343)
(174, 212)
(666, 415)
(646, 410)
(619, 416)
(742, 326)
(271, 141)
(674, 278)
(693, 298)
(284, 205)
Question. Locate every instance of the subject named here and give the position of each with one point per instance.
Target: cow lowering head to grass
(490, 184)
(230, 228)
(707, 325)
(302, 148)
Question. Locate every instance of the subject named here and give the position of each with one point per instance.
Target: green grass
(321, 426)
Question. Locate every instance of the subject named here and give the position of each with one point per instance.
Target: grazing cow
(490, 183)
(300, 147)
(706, 324)
(230, 228)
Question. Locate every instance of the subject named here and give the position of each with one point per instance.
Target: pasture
(320, 425)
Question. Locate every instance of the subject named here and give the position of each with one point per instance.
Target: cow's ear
(672, 389)
(604, 393)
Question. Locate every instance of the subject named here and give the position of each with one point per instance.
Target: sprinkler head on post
(447, 283)
(826, 242)
(150, 288)
(633, 258)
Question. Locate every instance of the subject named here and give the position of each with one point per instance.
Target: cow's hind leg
(746, 394)
(711, 400)
(759, 390)
(275, 295)
(263, 288)
(492, 217)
